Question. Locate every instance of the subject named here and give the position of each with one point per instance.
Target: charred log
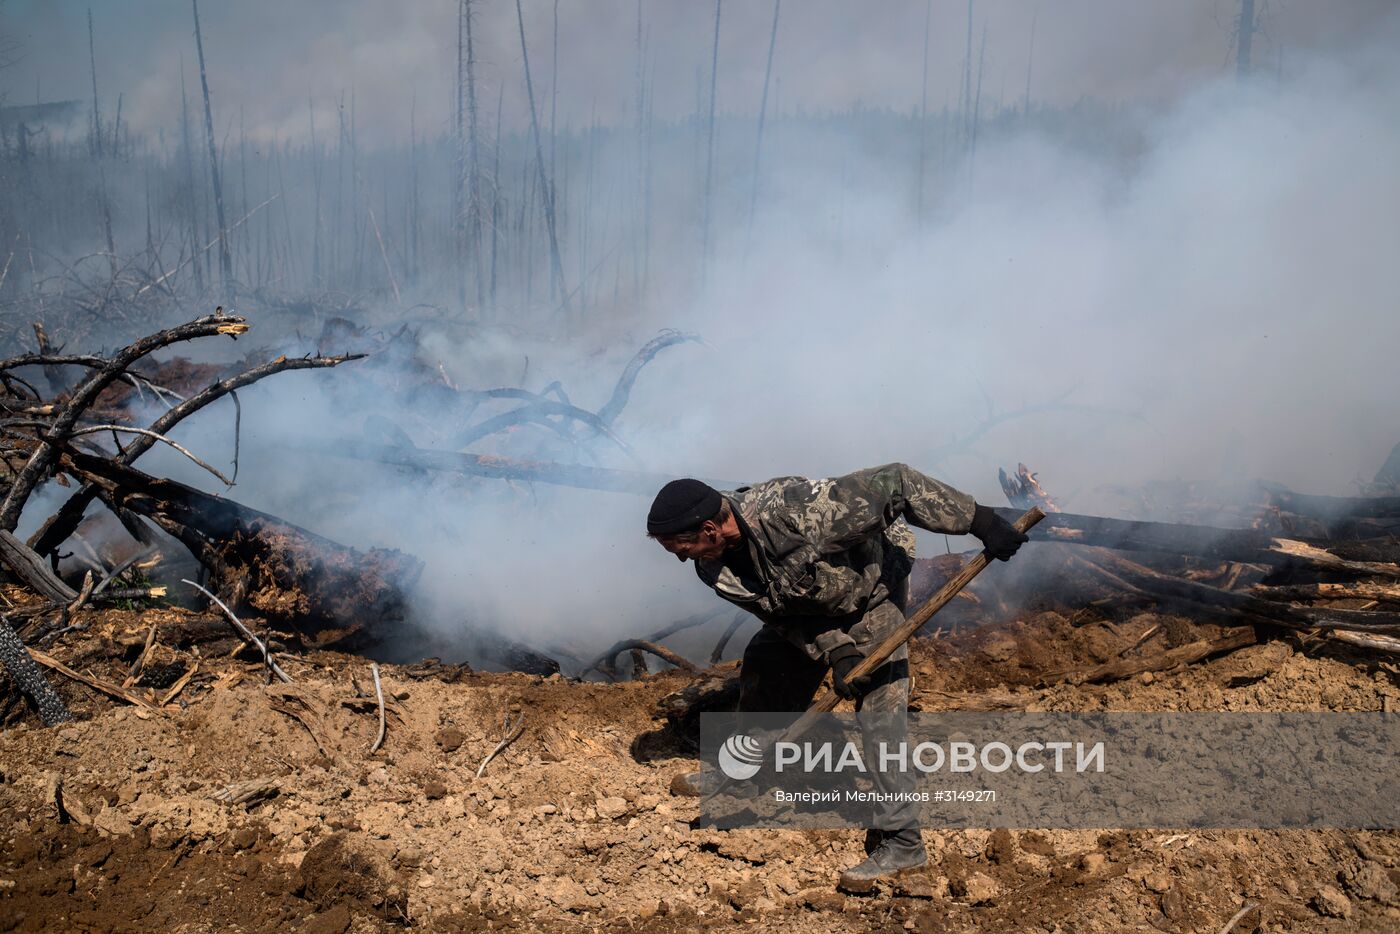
(511, 655)
(29, 679)
(331, 595)
(32, 571)
(1242, 545)
(715, 688)
(1164, 661)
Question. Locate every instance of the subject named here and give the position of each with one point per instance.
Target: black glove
(999, 536)
(843, 658)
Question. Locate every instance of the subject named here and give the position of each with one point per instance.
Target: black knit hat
(681, 506)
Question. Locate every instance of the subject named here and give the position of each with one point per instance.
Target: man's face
(707, 546)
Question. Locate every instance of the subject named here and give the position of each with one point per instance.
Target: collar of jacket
(717, 573)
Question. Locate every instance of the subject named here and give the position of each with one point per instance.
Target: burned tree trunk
(330, 594)
(29, 679)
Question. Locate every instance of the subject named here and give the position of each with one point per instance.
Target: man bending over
(825, 565)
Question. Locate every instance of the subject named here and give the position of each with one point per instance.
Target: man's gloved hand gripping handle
(998, 536)
(843, 658)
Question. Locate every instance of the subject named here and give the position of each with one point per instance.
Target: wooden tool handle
(891, 643)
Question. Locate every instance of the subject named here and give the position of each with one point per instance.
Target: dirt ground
(115, 822)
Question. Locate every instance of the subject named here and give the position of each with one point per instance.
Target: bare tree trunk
(107, 221)
(459, 182)
(966, 95)
(923, 119)
(474, 167)
(316, 277)
(190, 193)
(556, 263)
(553, 114)
(413, 202)
(977, 101)
(96, 114)
(763, 113)
(97, 151)
(225, 258)
(117, 129)
(1245, 28)
(1030, 59)
(496, 195)
(710, 155)
(338, 223)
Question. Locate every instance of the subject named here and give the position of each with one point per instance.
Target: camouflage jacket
(824, 552)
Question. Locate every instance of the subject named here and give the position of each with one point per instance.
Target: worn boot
(897, 852)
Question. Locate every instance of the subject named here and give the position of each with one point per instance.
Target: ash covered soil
(572, 826)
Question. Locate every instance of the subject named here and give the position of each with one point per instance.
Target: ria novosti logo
(740, 757)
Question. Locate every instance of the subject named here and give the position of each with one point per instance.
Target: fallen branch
(715, 688)
(87, 391)
(623, 390)
(106, 687)
(718, 652)
(1335, 507)
(247, 793)
(1364, 640)
(120, 568)
(379, 698)
(607, 662)
(179, 686)
(1163, 661)
(338, 596)
(1246, 607)
(287, 701)
(246, 633)
(62, 523)
(1355, 590)
(139, 665)
(501, 468)
(538, 411)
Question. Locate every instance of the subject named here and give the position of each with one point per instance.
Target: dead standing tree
(225, 257)
(556, 264)
(709, 156)
(763, 113)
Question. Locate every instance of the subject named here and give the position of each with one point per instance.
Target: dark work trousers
(778, 676)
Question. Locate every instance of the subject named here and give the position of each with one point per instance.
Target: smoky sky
(268, 60)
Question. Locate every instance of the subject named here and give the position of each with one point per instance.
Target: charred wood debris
(1317, 570)
(268, 585)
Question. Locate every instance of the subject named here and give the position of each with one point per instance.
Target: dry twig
(511, 734)
(245, 632)
(1239, 916)
(379, 698)
(155, 436)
